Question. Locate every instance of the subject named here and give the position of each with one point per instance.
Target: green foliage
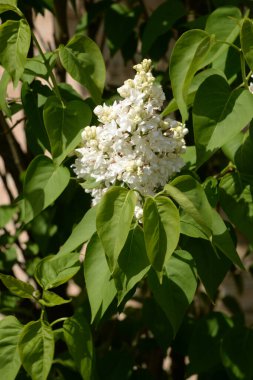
(71, 118)
(15, 41)
(36, 348)
(177, 289)
(78, 337)
(188, 56)
(114, 217)
(133, 263)
(83, 60)
(160, 21)
(20, 288)
(215, 125)
(44, 182)
(55, 270)
(10, 329)
(110, 292)
(100, 285)
(161, 230)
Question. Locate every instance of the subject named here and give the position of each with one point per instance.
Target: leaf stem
(230, 44)
(244, 77)
(50, 72)
(58, 320)
(42, 315)
(228, 169)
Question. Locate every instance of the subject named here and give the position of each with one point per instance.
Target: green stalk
(244, 77)
(50, 73)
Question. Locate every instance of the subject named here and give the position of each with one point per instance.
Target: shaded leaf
(246, 38)
(81, 233)
(119, 24)
(133, 263)
(204, 347)
(178, 287)
(237, 357)
(212, 266)
(237, 201)
(78, 338)
(160, 21)
(64, 123)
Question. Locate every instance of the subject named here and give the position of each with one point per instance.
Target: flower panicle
(133, 145)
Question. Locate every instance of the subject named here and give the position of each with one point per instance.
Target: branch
(14, 158)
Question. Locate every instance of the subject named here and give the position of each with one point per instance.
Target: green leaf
(224, 23)
(36, 349)
(204, 347)
(189, 227)
(35, 66)
(55, 270)
(18, 287)
(161, 230)
(10, 5)
(78, 338)
(5, 79)
(188, 56)
(133, 263)
(244, 154)
(64, 124)
(223, 241)
(246, 37)
(178, 287)
(119, 24)
(15, 39)
(6, 214)
(114, 217)
(33, 98)
(44, 182)
(51, 299)
(190, 196)
(81, 233)
(99, 283)
(221, 238)
(232, 146)
(160, 21)
(237, 201)
(212, 266)
(218, 115)
(10, 329)
(83, 60)
(237, 357)
(196, 82)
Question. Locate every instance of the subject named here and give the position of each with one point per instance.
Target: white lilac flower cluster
(132, 146)
(251, 86)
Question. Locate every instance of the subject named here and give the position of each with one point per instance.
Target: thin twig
(13, 126)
